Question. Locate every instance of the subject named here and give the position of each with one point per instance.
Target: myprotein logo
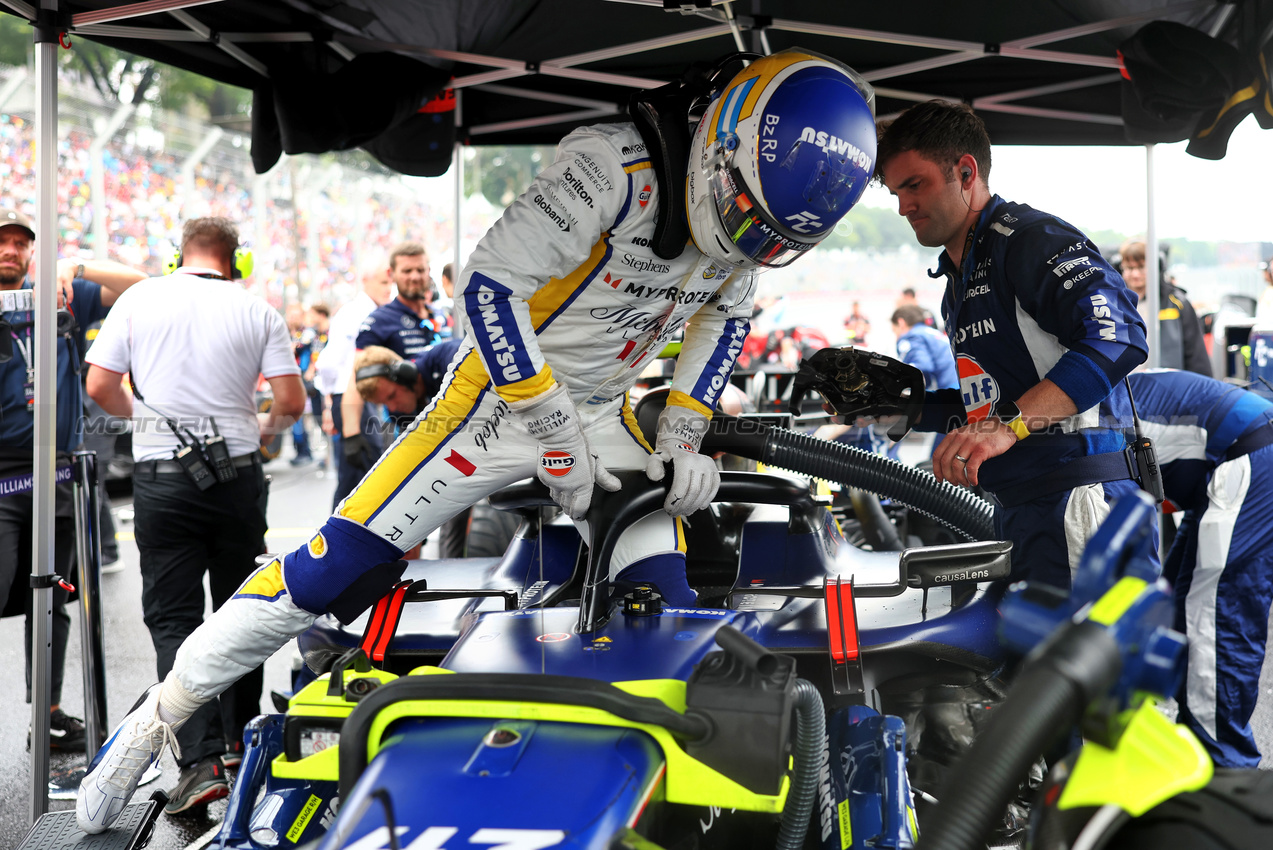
(837, 146)
(557, 463)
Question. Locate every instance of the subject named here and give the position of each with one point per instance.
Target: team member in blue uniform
(405, 326)
(566, 299)
(1043, 330)
(1215, 447)
(82, 302)
(924, 347)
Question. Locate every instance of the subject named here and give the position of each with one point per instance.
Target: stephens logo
(644, 197)
(557, 463)
(980, 391)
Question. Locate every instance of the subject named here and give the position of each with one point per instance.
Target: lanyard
(24, 349)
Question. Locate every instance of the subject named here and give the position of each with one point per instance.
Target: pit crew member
(1043, 330)
(1215, 447)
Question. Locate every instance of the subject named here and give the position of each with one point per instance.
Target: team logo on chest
(980, 391)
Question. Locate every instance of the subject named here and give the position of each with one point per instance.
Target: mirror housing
(956, 563)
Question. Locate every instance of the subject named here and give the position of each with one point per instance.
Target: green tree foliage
(120, 76)
(502, 173)
(871, 228)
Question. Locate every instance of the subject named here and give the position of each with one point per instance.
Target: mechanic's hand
(565, 462)
(959, 457)
(695, 477)
(358, 451)
(65, 274)
(329, 424)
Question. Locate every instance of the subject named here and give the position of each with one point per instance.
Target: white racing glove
(695, 478)
(565, 462)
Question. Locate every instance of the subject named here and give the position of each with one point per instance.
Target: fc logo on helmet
(802, 220)
(557, 463)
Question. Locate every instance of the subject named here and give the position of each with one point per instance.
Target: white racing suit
(564, 288)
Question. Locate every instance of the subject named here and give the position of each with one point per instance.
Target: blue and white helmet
(783, 151)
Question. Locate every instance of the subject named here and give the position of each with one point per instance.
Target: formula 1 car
(587, 716)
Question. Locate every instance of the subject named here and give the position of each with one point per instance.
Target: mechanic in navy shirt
(405, 326)
(81, 303)
(406, 392)
(1215, 447)
(1043, 331)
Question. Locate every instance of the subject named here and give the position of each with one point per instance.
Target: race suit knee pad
(667, 572)
(342, 567)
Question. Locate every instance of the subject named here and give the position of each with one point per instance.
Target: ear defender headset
(401, 372)
(242, 265)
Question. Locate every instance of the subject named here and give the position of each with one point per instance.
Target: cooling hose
(1047, 699)
(811, 735)
(956, 508)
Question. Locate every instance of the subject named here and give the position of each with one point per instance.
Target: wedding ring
(961, 458)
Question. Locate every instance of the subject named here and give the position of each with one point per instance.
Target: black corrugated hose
(811, 737)
(956, 508)
(1047, 699)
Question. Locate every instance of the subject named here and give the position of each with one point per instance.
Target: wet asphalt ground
(300, 500)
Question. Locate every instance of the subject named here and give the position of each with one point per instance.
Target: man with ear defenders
(194, 343)
(571, 293)
(1043, 331)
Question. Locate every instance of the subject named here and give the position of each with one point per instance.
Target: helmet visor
(747, 225)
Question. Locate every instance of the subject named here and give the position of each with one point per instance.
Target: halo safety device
(241, 267)
(784, 150)
(402, 372)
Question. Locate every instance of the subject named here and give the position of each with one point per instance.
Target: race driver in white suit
(566, 299)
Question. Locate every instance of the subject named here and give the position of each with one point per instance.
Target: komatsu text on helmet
(783, 151)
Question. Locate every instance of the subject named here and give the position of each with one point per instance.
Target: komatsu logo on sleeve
(1102, 314)
(833, 145)
(493, 327)
(727, 350)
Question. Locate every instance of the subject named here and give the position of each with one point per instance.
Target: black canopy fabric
(333, 74)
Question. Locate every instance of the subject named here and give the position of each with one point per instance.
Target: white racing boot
(118, 766)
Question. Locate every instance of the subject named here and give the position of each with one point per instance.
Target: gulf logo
(643, 197)
(557, 463)
(979, 390)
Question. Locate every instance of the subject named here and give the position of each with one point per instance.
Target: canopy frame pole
(44, 451)
(1152, 282)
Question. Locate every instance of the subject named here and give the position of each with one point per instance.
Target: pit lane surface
(300, 501)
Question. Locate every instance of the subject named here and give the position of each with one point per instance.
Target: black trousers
(349, 474)
(182, 533)
(17, 524)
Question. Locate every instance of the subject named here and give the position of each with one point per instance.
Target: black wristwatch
(1009, 414)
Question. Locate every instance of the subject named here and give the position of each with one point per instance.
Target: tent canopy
(528, 72)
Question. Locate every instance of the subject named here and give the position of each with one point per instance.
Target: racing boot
(118, 766)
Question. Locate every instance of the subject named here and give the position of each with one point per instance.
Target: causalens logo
(980, 391)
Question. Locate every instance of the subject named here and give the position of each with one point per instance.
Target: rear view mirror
(933, 566)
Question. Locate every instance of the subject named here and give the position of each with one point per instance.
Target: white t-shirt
(196, 347)
(336, 361)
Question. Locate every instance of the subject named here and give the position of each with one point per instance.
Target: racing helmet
(782, 152)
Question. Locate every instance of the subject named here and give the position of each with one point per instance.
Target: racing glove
(695, 478)
(565, 462)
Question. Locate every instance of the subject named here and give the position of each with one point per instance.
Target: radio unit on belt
(205, 462)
